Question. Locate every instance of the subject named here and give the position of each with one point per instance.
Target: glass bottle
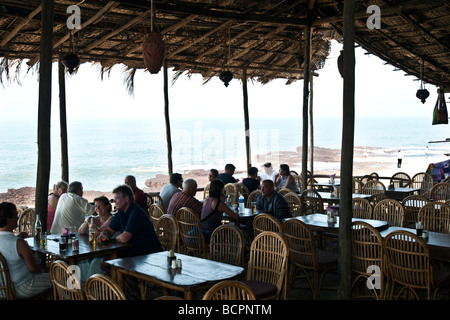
(38, 227)
(92, 231)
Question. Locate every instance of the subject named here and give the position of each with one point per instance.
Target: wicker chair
(304, 255)
(101, 287)
(155, 212)
(26, 222)
(357, 185)
(284, 191)
(206, 191)
(267, 265)
(155, 199)
(408, 263)
(435, 216)
(400, 180)
(229, 290)
(298, 181)
(424, 181)
(190, 229)
(232, 191)
(265, 222)
(373, 187)
(252, 197)
(227, 245)
(295, 204)
(242, 189)
(412, 205)
(63, 288)
(390, 210)
(362, 208)
(312, 202)
(169, 298)
(7, 291)
(440, 192)
(167, 232)
(377, 197)
(368, 251)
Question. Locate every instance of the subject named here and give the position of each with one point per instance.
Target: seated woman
(58, 189)
(102, 220)
(284, 179)
(24, 270)
(213, 208)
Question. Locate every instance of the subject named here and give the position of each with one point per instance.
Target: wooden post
(311, 123)
(246, 119)
(44, 111)
(305, 105)
(345, 210)
(166, 115)
(63, 123)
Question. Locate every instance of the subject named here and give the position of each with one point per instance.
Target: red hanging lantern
(153, 51)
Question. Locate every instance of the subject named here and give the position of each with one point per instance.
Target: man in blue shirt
(270, 201)
(227, 176)
(134, 224)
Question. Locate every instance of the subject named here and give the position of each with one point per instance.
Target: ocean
(102, 153)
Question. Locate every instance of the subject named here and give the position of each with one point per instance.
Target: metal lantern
(226, 77)
(71, 62)
(154, 51)
(422, 94)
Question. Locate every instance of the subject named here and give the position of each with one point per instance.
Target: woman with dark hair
(284, 179)
(213, 209)
(103, 218)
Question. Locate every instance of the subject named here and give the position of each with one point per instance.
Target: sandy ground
(326, 161)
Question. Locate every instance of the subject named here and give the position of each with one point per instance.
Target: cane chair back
(155, 212)
(312, 202)
(267, 265)
(167, 232)
(298, 181)
(284, 191)
(435, 216)
(390, 210)
(101, 287)
(377, 197)
(66, 285)
(232, 191)
(361, 208)
(206, 191)
(400, 180)
(26, 222)
(373, 186)
(412, 205)
(357, 185)
(155, 199)
(7, 291)
(242, 189)
(295, 204)
(252, 197)
(424, 181)
(304, 255)
(190, 229)
(227, 245)
(367, 253)
(265, 222)
(229, 290)
(440, 192)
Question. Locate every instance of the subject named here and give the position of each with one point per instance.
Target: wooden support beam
(167, 120)
(63, 122)
(246, 119)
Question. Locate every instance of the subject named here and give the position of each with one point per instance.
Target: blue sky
(380, 91)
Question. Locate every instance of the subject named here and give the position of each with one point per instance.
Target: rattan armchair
(265, 222)
(252, 197)
(440, 192)
(227, 245)
(284, 191)
(295, 204)
(377, 197)
(229, 290)
(267, 265)
(193, 241)
(155, 212)
(7, 291)
(154, 198)
(357, 185)
(424, 181)
(400, 180)
(66, 284)
(312, 202)
(304, 255)
(206, 191)
(101, 287)
(167, 232)
(362, 208)
(232, 191)
(373, 186)
(242, 189)
(435, 216)
(412, 205)
(26, 222)
(390, 210)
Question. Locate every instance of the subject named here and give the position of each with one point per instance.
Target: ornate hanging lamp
(422, 93)
(226, 75)
(153, 49)
(71, 60)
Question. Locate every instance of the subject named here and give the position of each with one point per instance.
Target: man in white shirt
(267, 173)
(168, 190)
(71, 209)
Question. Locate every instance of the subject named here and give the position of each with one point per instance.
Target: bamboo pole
(246, 119)
(305, 106)
(345, 210)
(311, 124)
(167, 118)
(44, 112)
(63, 123)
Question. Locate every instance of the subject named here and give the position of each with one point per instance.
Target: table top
(329, 196)
(320, 221)
(194, 270)
(402, 189)
(435, 239)
(245, 214)
(85, 251)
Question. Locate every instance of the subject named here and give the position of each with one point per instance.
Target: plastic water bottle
(241, 203)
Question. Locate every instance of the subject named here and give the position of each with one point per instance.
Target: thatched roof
(203, 36)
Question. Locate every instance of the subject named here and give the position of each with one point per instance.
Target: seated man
(133, 223)
(270, 201)
(139, 195)
(71, 209)
(186, 198)
(227, 176)
(168, 190)
(252, 182)
(213, 175)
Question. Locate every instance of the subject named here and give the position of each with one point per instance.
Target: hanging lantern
(71, 62)
(340, 63)
(154, 51)
(422, 94)
(226, 77)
